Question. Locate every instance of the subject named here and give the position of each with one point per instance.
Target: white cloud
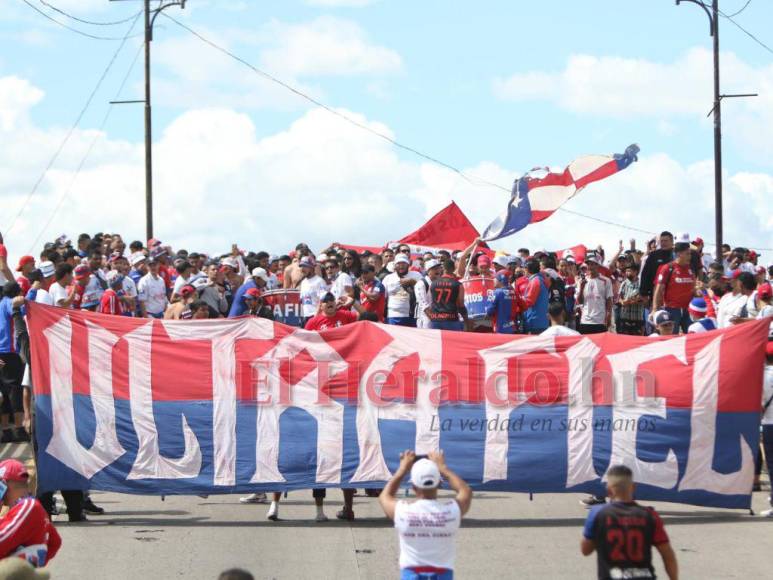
(195, 75)
(326, 46)
(17, 96)
(612, 86)
(218, 181)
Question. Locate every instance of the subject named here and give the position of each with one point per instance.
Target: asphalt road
(504, 536)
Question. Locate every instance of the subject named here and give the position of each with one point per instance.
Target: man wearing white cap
(426, 527)
(47, 274)
(400, 291)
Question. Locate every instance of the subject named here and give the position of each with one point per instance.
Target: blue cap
(502, 279)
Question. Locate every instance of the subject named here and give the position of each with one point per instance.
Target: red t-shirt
(324, 322)
(679, 285)
(374, 306)
(163, 271)
(78, 297)
(26, 531)
(110, 303)
(25, 284)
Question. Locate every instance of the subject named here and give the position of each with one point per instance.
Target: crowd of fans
(673, 286)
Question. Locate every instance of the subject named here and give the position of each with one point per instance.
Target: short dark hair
(532, 266)
(262, 255)
(334, 261)
(448, 265)
(620, 471)
(183, 266)
(11, 289)
(62, 271)
(555, 309)
(747, 280)
(632, 266)
(548, 262)
(524, 250)
(235, 574)
(69, 253)
(667, 234)
(285, 258)
(136, 246)
(368, 268)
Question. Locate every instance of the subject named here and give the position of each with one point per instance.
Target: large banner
(222, 406)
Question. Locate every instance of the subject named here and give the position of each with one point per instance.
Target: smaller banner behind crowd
(236, 405)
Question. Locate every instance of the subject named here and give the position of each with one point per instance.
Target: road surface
(505, 536)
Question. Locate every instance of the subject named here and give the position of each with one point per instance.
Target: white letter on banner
(579, 442)
(64, 444)
(149, 464)
(223, 335)
(495, 361)
(304, 395)
(406, 342)
(699, 473)
(628, 408)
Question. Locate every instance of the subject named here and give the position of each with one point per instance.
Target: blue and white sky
(492, 87)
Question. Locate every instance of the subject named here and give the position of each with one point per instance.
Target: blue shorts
(402, 321)
(408, 574)
(446, 324)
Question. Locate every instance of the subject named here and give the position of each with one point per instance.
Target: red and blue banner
(240, 405)
(534, 199)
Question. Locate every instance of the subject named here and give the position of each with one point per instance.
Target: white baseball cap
(136, 258)
(260, 273)
(429, 264)
(47, 269)
(402, 259)
(425, 474)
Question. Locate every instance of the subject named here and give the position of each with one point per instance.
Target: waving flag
(535, 199)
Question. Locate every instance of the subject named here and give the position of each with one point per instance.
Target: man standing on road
(426, 527)
(623, 532)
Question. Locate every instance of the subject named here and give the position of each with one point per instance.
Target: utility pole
(148, 130)
(150, 19)
(713, 14)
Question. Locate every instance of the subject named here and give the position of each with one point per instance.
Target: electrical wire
(746, 32)
(73, 127)
(97, 137)
(70, 28)
(83, 21)
(737, 12)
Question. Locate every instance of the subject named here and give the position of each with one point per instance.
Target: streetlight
(150, 20)
(713, 14)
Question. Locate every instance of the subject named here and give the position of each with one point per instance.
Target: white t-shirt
(273, 282)
(559, 331)
(423, 301)
(594, 307)
(766, 312)
(730, 305)
(427, 531)
(179, 283)
(58, 292)
(398, 298)
(43, 297)
(767, 393)
(129, 287)
(152, 292)
(342, 281)
(312, 290)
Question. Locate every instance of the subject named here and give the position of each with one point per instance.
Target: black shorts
(592, 328)
(11, 375)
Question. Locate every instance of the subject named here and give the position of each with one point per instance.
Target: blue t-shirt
(238, 306)
(503, 310)
(6, 326)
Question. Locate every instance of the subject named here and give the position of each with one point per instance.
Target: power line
(737, 12)
(467, 177)
(82, 21)
(73, 127)
(746, 32)
(66, 192)
(68, 27)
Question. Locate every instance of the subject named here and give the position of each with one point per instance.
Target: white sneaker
(321, 518)
(273, 513)
(254, 498)
(767, 514)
